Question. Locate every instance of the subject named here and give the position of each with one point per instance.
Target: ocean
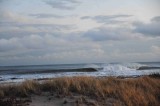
(22, 73)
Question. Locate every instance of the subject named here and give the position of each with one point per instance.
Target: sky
(34, 32)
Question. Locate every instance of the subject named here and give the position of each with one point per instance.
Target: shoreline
(13, 80)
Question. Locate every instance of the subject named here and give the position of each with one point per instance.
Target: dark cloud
(38, 26)
(149, 29)
(63, 4)
(14, 29)
(8, 45)
(54, 26)
(107, 18)
(46, 16)
(9, 20)
(21, 33)
(103, 17)
(24, 43)
(156, 19)
(104, 34)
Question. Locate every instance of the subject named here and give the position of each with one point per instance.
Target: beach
(83, 91)
(116, 84)
(79, 53)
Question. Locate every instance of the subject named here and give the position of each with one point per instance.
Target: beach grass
(141, 91)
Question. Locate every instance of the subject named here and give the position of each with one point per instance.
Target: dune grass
(142, 91)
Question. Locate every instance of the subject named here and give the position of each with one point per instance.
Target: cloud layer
(150, 29)
(74, 31)
(107, 18)
(63, 4)
(46, 15)
(113, 34)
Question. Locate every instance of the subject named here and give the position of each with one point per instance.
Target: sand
(94, 92)
(46, 99)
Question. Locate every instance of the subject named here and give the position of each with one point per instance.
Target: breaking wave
(53, 71)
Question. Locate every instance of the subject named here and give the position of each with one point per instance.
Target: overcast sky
(79, 31)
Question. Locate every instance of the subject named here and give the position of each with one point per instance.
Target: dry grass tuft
(143, 91)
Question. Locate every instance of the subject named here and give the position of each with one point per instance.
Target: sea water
(21, 73)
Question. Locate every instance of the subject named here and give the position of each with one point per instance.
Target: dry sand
(120, 92)
(46, 99)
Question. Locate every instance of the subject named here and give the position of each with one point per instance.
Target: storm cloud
(149, 29)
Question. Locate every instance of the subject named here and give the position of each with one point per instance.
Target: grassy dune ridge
(142, 91)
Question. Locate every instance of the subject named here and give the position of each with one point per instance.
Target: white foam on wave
(133, 65)
(119, 70)
(113, 67)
